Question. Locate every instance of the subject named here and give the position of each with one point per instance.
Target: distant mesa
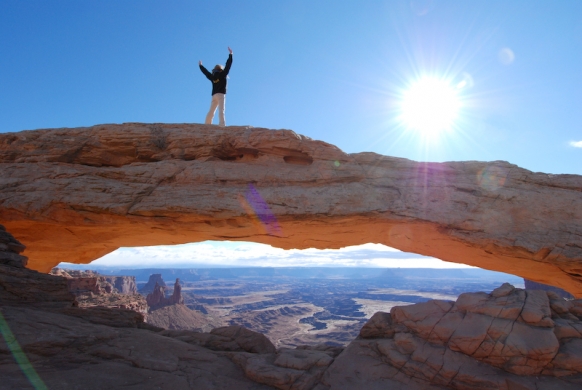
(78, 194)
(92, 282)
(94, 290)
(155, 279)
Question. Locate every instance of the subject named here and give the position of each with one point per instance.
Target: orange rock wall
(76, 194)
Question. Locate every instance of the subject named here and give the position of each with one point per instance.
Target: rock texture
(10, 249)
(78, 194)
(509, 339)
(158, 298)
(93, 290)
(48, 342)
(93, 282)
(181, 317)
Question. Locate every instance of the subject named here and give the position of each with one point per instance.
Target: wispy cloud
(245, 254)
(576, 144)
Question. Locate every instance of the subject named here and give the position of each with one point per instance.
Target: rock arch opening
(78, 194)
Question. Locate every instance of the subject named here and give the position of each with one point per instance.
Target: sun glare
(430, 106)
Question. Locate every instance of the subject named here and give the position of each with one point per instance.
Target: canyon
(507, 339)
(77, 194)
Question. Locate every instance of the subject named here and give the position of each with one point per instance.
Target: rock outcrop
(181, 317)
(92, 282)
(78, 194)
(46, 341)
(153, 281)
(509, 339)
(10, 249)
(157, 298)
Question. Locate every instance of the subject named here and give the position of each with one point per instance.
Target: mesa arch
(76, 194)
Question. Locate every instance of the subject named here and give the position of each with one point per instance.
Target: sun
(430, 106)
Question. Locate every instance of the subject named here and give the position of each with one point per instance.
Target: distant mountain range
(201, 273)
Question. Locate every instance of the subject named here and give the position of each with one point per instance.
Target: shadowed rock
(508, 339)
(154, 279)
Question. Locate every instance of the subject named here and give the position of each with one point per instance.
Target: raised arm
(205, 71)
(228, 62)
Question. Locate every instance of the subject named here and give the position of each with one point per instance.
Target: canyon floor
(304, 306)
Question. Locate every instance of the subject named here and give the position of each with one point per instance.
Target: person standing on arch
(218, 79)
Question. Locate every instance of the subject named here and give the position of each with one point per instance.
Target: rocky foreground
(509, 339)
(78, 194)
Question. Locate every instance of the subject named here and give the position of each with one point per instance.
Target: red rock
(158, 298)
(510, 338)
(78, 194)
(248, 340)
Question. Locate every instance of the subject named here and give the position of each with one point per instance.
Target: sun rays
(430, 106)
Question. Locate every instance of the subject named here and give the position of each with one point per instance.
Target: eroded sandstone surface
(508, 339)
(93, 290)
(77, 194)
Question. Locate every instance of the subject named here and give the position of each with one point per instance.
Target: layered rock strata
(46, 341)
(509, 339)
(92, 282)
(93, 290)
(78, 194)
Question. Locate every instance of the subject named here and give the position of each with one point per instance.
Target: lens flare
(20, 357)
(492, 178)
(430, 106)
(256, 207)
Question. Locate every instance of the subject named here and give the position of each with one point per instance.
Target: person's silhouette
(218, 77)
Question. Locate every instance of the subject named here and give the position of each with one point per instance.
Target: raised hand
(199, 62)
(230, 50)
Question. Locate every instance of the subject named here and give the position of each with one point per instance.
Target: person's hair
(217, 67)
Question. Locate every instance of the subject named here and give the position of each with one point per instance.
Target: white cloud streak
(247, 254)
(576, 144)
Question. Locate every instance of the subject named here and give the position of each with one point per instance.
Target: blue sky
(331, 70)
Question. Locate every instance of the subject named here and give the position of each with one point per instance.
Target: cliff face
(89, 281)
(157, 298)
(509, 339)
(81, 193)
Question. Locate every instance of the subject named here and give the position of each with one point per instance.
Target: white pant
(218, 100)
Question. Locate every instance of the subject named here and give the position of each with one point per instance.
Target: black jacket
(218, 78)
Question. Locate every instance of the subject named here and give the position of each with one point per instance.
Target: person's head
(217, 68)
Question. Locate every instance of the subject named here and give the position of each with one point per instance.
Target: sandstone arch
(77, 194)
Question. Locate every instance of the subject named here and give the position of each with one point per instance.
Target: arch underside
(76, 194)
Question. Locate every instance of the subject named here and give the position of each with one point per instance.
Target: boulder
(510, 338)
